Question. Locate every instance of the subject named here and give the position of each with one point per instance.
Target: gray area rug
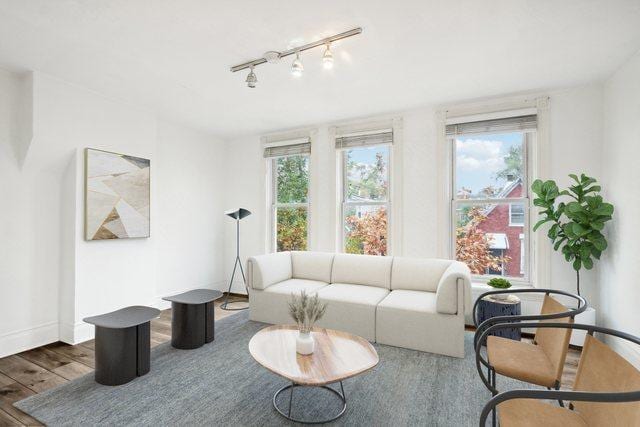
(221, 384)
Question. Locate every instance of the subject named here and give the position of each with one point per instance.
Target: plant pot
(501, 297)
(587, 317)
(304, 343)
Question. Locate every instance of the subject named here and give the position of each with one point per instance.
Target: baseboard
(26, 339)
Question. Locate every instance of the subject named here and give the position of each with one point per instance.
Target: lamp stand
(237, 263)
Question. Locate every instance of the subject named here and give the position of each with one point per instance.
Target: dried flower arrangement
(306, 310)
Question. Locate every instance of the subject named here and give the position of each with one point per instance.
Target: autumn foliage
(367, 234)
(473, 245)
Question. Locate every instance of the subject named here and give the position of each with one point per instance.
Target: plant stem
(578, 281)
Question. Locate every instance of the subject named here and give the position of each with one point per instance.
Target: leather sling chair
(540, 363)
(606, 390)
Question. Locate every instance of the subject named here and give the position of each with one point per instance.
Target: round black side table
(192, 318)
(490, 306)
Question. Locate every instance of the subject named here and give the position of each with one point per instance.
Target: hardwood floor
(34, 371)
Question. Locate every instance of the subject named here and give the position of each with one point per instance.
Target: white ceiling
(174, 56)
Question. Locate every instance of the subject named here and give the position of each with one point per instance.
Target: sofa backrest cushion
(417, 274)
(312, 265)
(266, 270)
(367, 270)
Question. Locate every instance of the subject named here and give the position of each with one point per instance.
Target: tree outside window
(291, 203)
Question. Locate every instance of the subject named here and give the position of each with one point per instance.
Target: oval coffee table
(337, 356)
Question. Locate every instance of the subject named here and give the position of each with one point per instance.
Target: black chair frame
(559, 395)
(582, 306)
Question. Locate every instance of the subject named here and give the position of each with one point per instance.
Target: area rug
(221, 384)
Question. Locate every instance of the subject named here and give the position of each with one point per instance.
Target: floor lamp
(236, 214)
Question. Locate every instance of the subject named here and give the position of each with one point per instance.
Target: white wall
(620, 266)
(575, 135)
(50, 277)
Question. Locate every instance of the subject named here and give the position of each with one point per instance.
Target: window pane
(366, 230)
(487, 243)
(367, 173)
(292, 175)
(291, 226)
(489, 166)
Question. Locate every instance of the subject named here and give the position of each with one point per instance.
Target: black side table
(123, 344)
(192, 320)
(490, 306)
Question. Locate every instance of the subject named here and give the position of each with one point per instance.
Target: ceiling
(174, 56)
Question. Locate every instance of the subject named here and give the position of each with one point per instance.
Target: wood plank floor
(34, 371)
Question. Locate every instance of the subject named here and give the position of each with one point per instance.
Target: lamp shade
(238, 213)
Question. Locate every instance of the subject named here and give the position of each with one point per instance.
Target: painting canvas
(117, 196)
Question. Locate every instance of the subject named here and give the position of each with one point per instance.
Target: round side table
(490, 306)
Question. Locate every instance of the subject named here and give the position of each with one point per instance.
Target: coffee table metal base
(340, 394)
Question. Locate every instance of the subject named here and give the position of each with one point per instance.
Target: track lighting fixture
(273, 57)
(327, 58)
(296, 67)
(251, 78)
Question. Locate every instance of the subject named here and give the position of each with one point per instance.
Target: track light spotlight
(327, 58)
(297, 68)
(251, 78)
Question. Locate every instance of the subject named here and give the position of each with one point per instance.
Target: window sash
(524, 200)
(347, 203)
(275, 204)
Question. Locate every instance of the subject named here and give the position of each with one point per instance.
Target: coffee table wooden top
(337, 356)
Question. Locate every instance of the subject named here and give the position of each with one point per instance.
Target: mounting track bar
(302, 48)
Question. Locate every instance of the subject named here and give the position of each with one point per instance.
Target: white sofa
(405, 302)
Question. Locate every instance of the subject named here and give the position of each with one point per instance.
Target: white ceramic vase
(304, 343)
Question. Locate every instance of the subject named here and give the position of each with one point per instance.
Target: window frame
(274, 204)
(529, 141)
(345, 203)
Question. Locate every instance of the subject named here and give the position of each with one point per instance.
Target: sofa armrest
(454, 290)
(266, 270)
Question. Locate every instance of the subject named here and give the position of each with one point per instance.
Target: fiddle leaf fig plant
(576, 222)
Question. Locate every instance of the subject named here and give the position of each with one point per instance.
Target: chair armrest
(266, 270)
(453, 294)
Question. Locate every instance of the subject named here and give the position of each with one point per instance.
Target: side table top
(125, 317)
(506, 299)
(196, 296)
(338, 355)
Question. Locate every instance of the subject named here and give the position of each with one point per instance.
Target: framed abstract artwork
(117, 196)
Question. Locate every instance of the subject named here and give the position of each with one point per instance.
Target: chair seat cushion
(296, 286)
(520, 360)
(422, 302)
(534, 413)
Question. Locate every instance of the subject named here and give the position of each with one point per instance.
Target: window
(490, 195)
(366, 200)
(516, 215)
(289, 170)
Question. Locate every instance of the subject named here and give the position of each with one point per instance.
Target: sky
(480, 157)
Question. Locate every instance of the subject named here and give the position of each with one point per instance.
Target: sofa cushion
(409, 319)
(424, 302)
(295, 286)
(354, 294)
(417, 274)
(369, 270)
(351, 308)
(265, 270)
(312, 265)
